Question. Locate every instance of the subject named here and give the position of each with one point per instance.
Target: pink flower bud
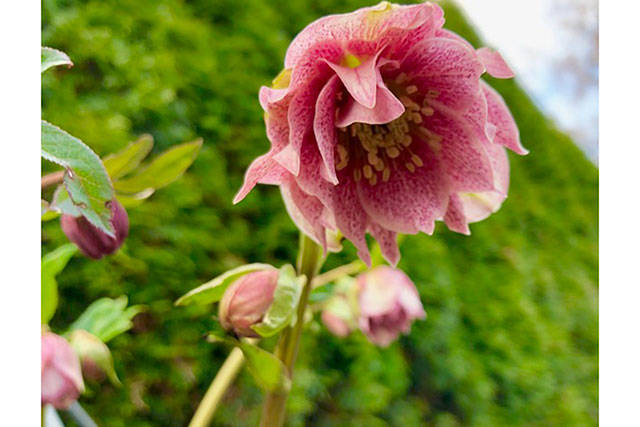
(337, 325)
(389, 302)
(92, 241)
(246, 301)
(95, 357)
(61, 376)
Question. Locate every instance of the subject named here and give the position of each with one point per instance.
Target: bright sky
(534, 38)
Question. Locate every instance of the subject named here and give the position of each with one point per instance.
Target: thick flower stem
(309, 262)
(218, 387)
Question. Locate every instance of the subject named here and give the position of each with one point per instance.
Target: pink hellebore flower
(389, 303)
(380, 123)
(61, 375)
(246, 301)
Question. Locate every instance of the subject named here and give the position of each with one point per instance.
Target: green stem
(309, 262)
(218, 387)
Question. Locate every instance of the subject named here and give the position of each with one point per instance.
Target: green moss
(511, 334)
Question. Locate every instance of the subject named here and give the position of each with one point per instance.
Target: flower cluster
(380, 123)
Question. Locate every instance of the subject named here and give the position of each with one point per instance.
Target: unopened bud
(339, 313)
(389, 302)
(92, 241)
(61, 376)
(95, 357)
(246, 301)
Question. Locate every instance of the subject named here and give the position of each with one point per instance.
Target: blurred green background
(511, 333)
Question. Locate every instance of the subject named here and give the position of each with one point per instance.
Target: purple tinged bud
(95, 357)
(61, 375)
(92, 241)
(389, 302)
(246, 301)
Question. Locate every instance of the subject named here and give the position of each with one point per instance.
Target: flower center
(374, 151)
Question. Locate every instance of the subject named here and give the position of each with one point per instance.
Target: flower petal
(387, 108)
(305, 211)
(454, 218)
(494, 63)
(366, 24)
(464, 158)
(507, 133)
(262, 170)
(387, 241)
(408, 202)
(361, 81)
(324, 126)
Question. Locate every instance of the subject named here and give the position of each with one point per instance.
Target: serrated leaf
(213, 290)
(129, 158)
(285, 302)
(162, 170)
(106, 318)
(52, 264)
(50, 57)
(61, 202)
(268, 371)
(85, 179)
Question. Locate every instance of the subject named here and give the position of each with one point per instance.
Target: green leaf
(52, 57)
(52, 264)
(61, 202)
(106, 318)
(213, 290)
(268, 371)
(129, 158)
(163, 170)
(85, 179)
(133, 200)
(285, 301)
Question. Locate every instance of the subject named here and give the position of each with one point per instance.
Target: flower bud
(61, 376)
(246, 301)
(389, 302)
(92, 241)
(95, 357)
(339, 313)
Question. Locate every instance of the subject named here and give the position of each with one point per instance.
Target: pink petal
(447, 68)
(494, 63)
(304, 210)
(361, 81)
(387, 108)
(464, 158)
(507, 133)
(387, 241)
(324, 126)
(262, 170)
(300, 118)
(313, 64)
(340, 200)
(454, 218)
(289, 159)
(478, 206)
(366, 24)
(268, 96)
(408, 202)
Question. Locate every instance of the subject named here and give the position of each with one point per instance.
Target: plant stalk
(218, 387)
(310, 260)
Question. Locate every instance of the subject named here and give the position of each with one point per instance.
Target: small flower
(340, 311)
(95, 357)
(246, 301)
(381, 124)
(61, 376)
(389, 302)
(92, 241)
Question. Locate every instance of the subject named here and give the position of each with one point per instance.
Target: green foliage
(511, 333)
(106, 318)
(268, 371)
(51, 265)
(51, 58)
(85, 178)
(285, 301)
(213, 290)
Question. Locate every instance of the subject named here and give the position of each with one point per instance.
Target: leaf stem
(50, 179)
(310, 260)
